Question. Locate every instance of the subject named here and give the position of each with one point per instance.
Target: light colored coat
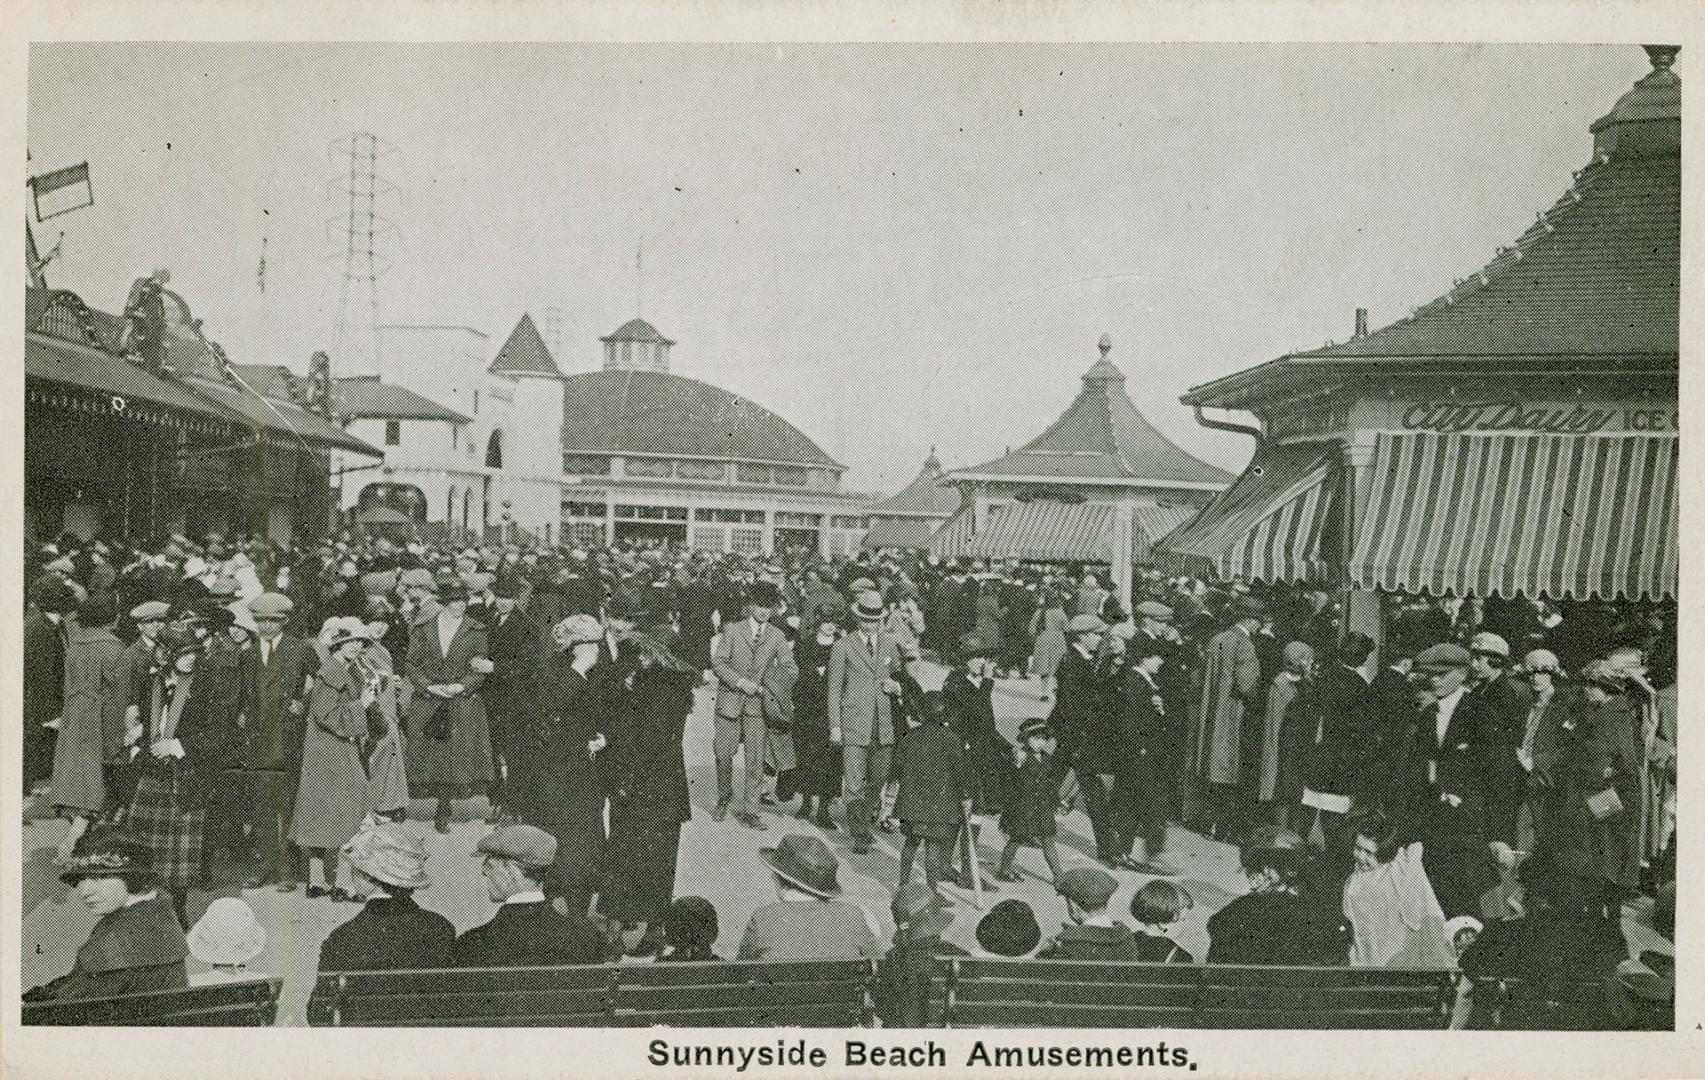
(735, 658)
(332, 797)
(857, 704)
(1231, 678)
(97, 688)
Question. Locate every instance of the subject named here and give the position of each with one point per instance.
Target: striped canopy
(948, 542)
(1561, 516)
(1272, 525)
(1047, 532)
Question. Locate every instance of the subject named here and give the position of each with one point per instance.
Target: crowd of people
(237, 707)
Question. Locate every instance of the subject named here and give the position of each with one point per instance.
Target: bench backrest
(1067, 993)
(251, 1003)
(1507, 1004)
(697, 994)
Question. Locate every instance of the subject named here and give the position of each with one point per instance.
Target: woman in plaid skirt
(168, 812)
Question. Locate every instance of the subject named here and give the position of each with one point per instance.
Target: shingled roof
(524, 352)
(1595, 279)
(1101, 437)
(658, 412)
(925, 496)
(638, 331)
(365, 397)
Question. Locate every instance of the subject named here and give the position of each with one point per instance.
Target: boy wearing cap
(906, 975)
(137, 945)
(526, 931)
(1091, 933)
(275, 672)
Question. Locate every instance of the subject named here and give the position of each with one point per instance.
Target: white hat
(1487, 642)
(227, 934)
(339, 629)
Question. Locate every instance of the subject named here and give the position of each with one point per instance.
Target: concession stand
(1516, 437)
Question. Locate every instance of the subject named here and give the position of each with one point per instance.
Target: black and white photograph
(1140, 538)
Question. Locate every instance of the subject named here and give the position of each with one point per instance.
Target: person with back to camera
(1278, 921)
(1156, 906)
(526, 931)
(387, 866)
(1091, 933)
(806, 921)
(1009, 930)
(929, 763)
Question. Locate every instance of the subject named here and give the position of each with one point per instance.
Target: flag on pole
(62, 191)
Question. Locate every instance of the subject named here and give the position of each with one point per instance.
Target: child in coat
(1029, 817)
(933, 798)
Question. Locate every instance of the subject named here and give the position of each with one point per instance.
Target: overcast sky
(892, 246)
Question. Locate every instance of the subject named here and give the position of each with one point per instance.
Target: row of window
(687, 469)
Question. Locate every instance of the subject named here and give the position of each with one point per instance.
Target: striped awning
(948, 542)
(1044, 531)
(1560, 516)
(1274, 524)
(910, 533)
(1155, 523)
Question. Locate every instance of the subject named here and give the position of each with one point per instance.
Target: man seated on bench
(1092, 934)
(138, 945)
(526, 931)
(392, 933)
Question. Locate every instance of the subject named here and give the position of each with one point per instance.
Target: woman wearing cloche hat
(333, 794)
(387, 863)
(806, 921)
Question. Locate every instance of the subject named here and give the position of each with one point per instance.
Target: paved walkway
(718, 861)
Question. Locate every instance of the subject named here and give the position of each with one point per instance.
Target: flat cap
(150, 611)
(1154, 609)
(418, 578)
(1487, 642)
(525, 844)
(271, 605)
(1088, 886)
(1442, 658)
(1086, 624)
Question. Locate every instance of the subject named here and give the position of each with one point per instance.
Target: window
(651, 513)
(586, 464)
(653, 468)
(393, 432)
(586, 533)
(792, 475)
(710, 538)
(790, 520)
(747, 541)
(701, 470)
(753, 474)
(841, 522)
(584, 510)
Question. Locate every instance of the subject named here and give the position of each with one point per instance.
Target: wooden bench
(1068, 993)
(832, 993)
(252, 1003)
(1507, 1004)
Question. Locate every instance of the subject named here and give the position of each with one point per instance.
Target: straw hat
(227, 934)
(580, 629)
(340, 629)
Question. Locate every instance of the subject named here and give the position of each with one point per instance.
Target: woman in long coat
(649, 799)
(386, 769)
(563, 792)
(333, 796)
(447, 738)
(990, 616)
(92, 722)
(1048, 626)
(817, 776)
(1602, 760)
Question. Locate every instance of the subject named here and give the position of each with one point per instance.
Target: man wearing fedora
(806, 922)
(526, 931)
(864, 671)
(514, 641)
(754, 663)
(392, 933)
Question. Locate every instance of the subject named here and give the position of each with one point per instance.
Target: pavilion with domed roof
(1099, 486)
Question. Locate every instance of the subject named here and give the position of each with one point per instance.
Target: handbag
(437, 724)
(1606, 804)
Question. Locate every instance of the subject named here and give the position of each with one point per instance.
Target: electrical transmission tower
(360, 228)
(553, 331)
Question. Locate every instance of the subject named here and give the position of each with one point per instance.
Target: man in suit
(1446, 774)
(1346, 735)
(748, 653)
(274, 674)
(513, 646)
(44, 673)
(526, 931)
(864, 671)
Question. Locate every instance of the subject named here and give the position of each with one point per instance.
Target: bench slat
(1323, 977)
(1319, 998)
(1026, 1015)
(778, 972)
(382, 1009)
(252, 1003)
(1321, 1019)
(1077, 993)
(822, 1015)
(1082, 971)
(747, 995)
(469, 980)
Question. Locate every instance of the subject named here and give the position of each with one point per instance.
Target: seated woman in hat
(226, 938)
(387, 863)
(1284, 919)
(806, 922)
(137, 944)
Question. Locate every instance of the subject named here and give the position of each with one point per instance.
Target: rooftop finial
(1106, 345)
(1662, 56)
